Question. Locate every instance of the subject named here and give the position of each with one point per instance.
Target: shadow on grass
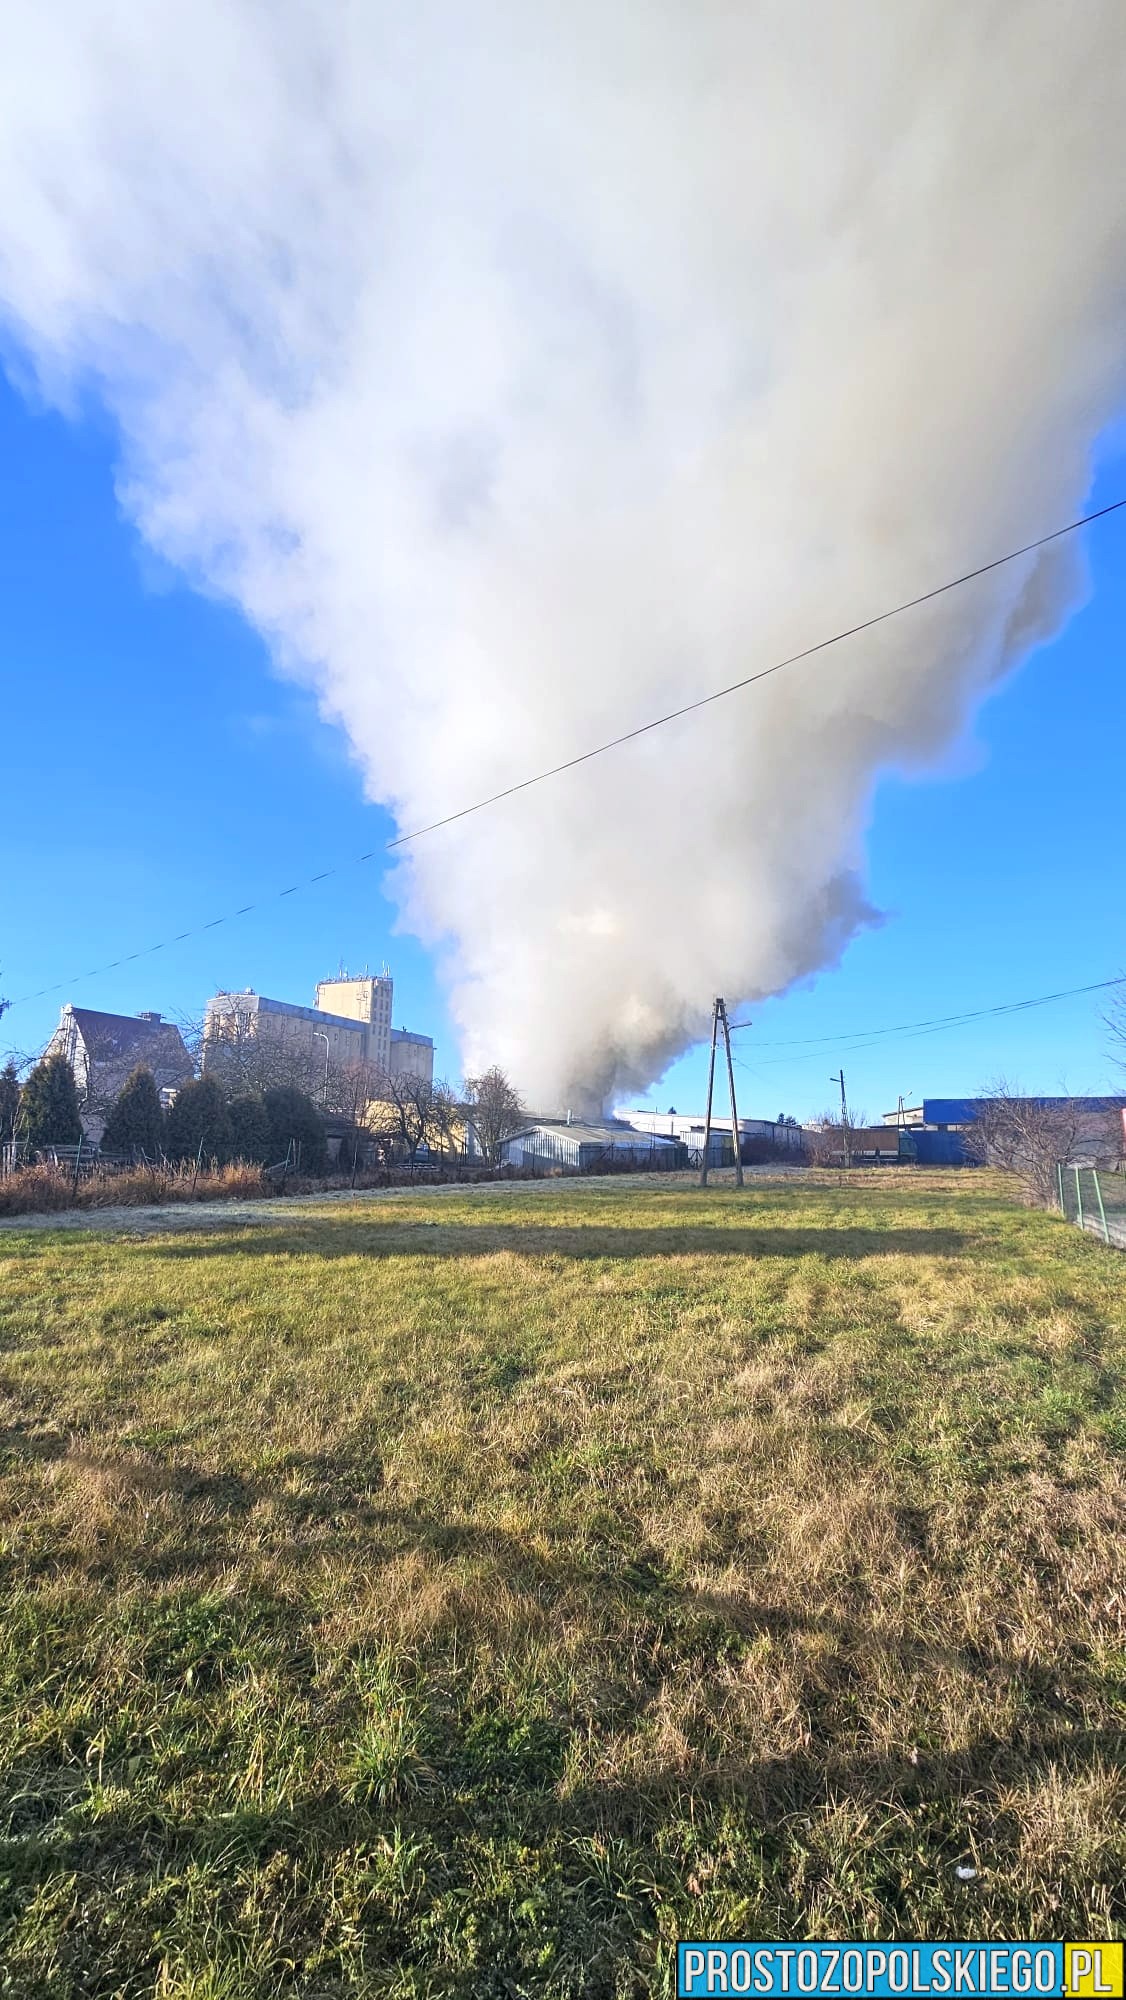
(586, 1242)
(485, 1773)
(470, 1789)
(333, 1507)
(937, 1785)
(27, 1441)
(768, 1791)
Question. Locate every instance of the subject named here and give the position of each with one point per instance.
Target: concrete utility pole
(845, 1135)
(708, 1112)
(719, 1020)
(735, 1134)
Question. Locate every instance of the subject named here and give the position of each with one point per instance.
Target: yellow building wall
(354, 998)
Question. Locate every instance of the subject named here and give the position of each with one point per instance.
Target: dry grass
(47, 1187)
(470, 1595)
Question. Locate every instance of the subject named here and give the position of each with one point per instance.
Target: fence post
(1099, 1198)
(1059, 1177)
(77, 1159)
(1079, 1193)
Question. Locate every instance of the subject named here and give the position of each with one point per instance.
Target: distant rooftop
(110, 1037)
(317, 1015)
(591, 1131)
(964, 1110)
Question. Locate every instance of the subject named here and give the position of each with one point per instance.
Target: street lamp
(320, 1035)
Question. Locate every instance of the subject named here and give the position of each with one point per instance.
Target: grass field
(470, 1593)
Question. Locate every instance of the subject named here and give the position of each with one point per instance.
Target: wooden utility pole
(708, 1112)
(735, 1133)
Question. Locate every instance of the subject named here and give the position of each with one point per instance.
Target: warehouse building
(564, 1144)
(932, 1133)
(756, 1135)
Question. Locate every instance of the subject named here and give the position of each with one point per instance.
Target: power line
(600, 749)
(859, 1039)
(764, 673)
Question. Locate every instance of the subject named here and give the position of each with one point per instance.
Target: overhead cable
(599, 750)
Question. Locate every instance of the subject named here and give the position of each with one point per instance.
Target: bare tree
(1029, 1137)
(192, 1029)
(446, 1122)
(829, 1141)
(246, 1062)
(824, 1142)
(494, 1110)
(399, 1113)
(408, 1112)
(23, 1059)
(350, 1089)
(1115, 1018)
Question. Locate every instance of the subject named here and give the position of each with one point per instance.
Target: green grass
(469, 1594)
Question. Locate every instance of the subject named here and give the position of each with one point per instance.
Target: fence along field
(1095, 1200)
(471, 1593)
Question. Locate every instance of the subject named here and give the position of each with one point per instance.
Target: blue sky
(159, 775)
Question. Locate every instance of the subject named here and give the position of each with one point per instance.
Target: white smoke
(524, 370)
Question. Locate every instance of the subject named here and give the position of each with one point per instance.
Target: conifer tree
(250, 1130)
(199, 1114)
(136, 1120)
(49, 1104)
(294, 1118)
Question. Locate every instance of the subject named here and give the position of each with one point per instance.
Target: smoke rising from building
(522, 371)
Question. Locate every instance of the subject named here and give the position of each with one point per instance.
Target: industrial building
(411, 1055)
(582, 1146)
(366, 999)
(688, 1128)
(347, 1028)
(932, 1133)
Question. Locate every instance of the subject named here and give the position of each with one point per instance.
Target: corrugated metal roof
(590, 1134)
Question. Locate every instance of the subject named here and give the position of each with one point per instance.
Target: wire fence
(1094, 1199)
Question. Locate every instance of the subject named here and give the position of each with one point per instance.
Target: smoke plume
(524, 370)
